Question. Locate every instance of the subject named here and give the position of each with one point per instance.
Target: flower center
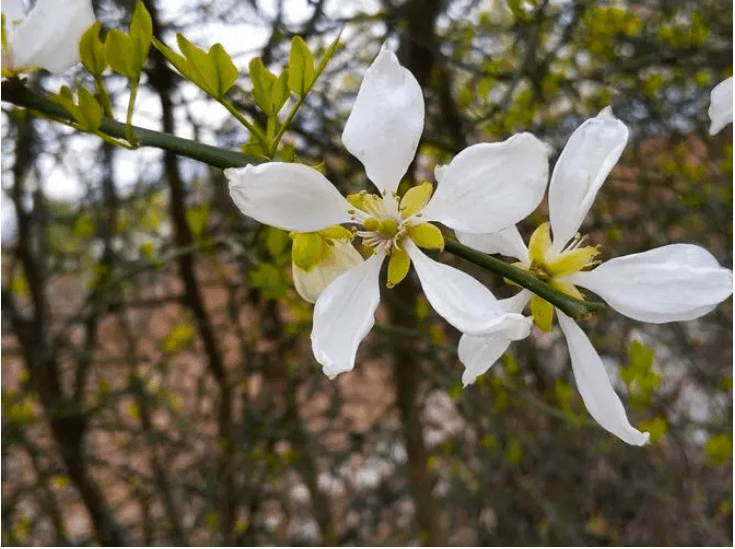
(554, 269)
(572, 259)
(383, 226)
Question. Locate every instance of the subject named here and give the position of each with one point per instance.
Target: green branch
(15, 92)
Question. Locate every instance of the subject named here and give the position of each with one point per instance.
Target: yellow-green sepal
(427, 236)
(539, 244)
(398, 266)
(543, 313)
(567, 288)
(341, 257)
(338, 232)
(415, 199)
(308, 250)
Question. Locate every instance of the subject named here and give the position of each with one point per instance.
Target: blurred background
(158, 386)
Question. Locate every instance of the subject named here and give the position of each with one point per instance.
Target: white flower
(720, 108)
(485, 188)
(46, 37)
(670, 283)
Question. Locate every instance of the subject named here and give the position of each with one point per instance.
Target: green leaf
(118, 52)
(276, 241)
(255, 148)
(178, 61)
(640, 358)
(279, 92)
(197, 219)
(65, 98)
(126, 53)
(719, 448)
(141, 34)
(200, 69)
(178, 338)
(639, 375)
(300, 67)
(514, 452)
(90, 111)
(224, 67)
(656, 427)
(92, 50)
(288, 152)
(19, 285)
(213, 72)
(269, 279)
(263, 81)
(66, 93)
(87, 113)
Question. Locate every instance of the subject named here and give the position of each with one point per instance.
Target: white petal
(342, 257)
(478, 354)
(584, 164)
(490, 186)
(49, 35)
(670, 283)
(386, 122)
(293, 197)
(507, 242)
(720, 107)
(594, 386)
(463, 301)
(344, 314)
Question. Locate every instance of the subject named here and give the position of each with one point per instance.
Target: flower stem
(252, 128)
(129, 134)
(104, 96)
